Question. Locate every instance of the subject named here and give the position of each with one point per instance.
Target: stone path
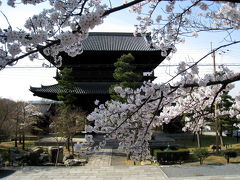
(89, 173)
(99, 168)
(101, 158)
(204, 172)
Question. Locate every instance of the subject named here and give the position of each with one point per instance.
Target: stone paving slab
(208, 178)
(88, 173)
(100, 158)
(202, 171)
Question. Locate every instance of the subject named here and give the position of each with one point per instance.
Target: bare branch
(6, 19)
(124, 6)
(214, 50)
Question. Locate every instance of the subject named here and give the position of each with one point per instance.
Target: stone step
(88, 173)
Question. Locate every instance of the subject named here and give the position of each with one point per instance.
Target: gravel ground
(204, 170)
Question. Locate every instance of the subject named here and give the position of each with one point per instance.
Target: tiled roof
(110, 41)
(81, 88)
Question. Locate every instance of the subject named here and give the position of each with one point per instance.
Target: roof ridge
(112, 34)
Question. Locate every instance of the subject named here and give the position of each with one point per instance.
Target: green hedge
(169, 157)
(162, 148)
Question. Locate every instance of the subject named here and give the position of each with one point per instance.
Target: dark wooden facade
(93, 69)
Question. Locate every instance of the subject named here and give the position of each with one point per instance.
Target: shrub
(201, 154)
(5, 156)
(162, 148)
(171, 156)
(229, 153)
(215, 148)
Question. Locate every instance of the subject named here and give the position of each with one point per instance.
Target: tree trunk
(198, 140)
(68, 144)
(217, 136)
(217, 142)
(228, 160)
(16, 144)
(221, 137)
(193, 138)
(221, 140)
(128, 156)
(20, 139)
(71, 141)
(23, 141)
(16, 139)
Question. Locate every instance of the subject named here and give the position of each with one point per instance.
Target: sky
(16, 80)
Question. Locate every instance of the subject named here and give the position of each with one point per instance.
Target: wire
(161, 65)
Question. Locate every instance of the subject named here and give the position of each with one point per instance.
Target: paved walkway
(109, 164)
(204, 172)
(100, 167)
(89, 173)
(101, 158)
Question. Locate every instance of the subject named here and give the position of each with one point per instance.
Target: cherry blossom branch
(216, 95)
(83, 4)
(223, 82)
(31, 52)
(194, 64)
(129, 116)
(155, 113)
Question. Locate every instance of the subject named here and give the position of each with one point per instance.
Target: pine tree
(70, 119)
(66, 85)
(126, 76)
(226, 122)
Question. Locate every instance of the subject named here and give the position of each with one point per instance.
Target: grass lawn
(207, 141)
(190, 143)
(10, 145)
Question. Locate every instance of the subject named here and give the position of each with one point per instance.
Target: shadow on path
(6, 172)
(119, 158)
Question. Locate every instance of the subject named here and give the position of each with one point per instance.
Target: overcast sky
(16, 80)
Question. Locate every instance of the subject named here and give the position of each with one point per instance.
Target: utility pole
(214, 60)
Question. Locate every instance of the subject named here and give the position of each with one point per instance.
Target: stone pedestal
(55, 152)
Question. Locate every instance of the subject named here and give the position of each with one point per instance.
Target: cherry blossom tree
(132, 123)
(6, 114)
(24, 118)
(66, 24)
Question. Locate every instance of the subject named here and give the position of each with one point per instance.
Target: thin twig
(6, 19)
(214, 50)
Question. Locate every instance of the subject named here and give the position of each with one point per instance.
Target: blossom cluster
(170, 25)
(60, 28)
(66, 23)
(132, 123)
(228, 15)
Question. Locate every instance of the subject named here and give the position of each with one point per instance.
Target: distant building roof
(116, 41)
(107, 47)
(80, 88)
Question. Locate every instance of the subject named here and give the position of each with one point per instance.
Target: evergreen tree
(66, 85)
(125, 75)
(70, 119)
(226, 122)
